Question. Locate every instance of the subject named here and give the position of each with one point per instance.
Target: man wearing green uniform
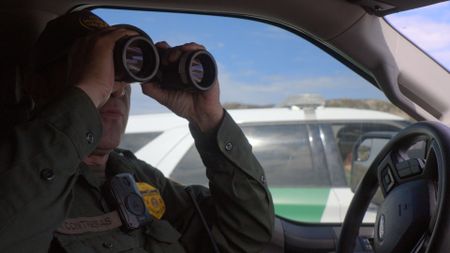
(54, 167)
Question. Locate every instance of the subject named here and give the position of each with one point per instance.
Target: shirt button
(229, 146)
(90, 137)
(48, 174)
(107, 245)
(263, 179)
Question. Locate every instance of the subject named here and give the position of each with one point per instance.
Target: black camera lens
(135, 59)
(135, 204)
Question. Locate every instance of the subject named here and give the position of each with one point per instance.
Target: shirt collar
(116, 164)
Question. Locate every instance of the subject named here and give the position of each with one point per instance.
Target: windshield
(302, 111)
(428, 28)
(262, 68)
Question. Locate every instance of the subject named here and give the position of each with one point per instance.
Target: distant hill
(245, 106)
(371, 104)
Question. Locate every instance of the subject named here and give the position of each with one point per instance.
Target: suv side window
(190, 169)
(290, 153)
(347, 133)
(286, 153)
(136, 141)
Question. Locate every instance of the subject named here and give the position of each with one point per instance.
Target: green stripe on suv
(300, 204)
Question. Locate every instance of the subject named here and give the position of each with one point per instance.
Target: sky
(429, 28)
(263, 64)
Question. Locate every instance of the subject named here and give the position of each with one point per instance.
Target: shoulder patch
(152, 199)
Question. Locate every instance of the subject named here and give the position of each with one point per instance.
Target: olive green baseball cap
(60, 34)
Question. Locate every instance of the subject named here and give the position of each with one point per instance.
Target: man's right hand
(91, 63)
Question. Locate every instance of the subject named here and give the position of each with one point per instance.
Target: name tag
(83, 225)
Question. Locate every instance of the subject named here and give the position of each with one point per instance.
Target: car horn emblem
(381, 225)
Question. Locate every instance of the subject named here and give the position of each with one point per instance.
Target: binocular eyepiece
(136, 59)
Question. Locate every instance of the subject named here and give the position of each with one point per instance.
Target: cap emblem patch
(92, 22)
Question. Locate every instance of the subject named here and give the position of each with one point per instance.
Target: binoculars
(136, 59)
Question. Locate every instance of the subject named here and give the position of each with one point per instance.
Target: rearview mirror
(364, 152)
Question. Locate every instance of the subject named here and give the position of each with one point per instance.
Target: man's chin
(103, 150)
(112, 116)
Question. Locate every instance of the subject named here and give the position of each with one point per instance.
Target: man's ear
(34, 85)
(48, 84)
(15, 105)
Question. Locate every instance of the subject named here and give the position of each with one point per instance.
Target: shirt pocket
(162, 238)
(109, 241)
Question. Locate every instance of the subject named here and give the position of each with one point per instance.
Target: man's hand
(91, 63)
(200, 108)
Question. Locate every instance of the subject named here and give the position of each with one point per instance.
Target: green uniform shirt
(43, 182)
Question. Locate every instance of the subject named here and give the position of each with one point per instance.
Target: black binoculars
(136, 59)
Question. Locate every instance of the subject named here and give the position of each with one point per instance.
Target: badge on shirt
(152, 199)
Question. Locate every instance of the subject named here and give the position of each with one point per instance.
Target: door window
(284, 151)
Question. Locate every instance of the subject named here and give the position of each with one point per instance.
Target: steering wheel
(413, 172)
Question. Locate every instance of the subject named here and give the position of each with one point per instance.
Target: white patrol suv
(304, 148)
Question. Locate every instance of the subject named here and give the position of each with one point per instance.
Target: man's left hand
(200, 108)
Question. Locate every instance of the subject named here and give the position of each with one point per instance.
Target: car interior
(416, 185)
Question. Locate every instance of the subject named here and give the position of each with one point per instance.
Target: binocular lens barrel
(201, 69)
(136, 59)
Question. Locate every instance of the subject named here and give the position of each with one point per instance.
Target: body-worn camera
(136, 59)
(123, 195)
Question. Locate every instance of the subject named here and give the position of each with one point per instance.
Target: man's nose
(119, 89)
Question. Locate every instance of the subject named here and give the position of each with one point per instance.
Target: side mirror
(364, 152)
